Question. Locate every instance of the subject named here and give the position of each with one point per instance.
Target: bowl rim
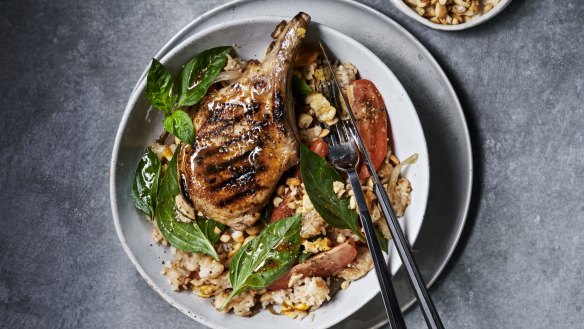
(403, 7)
(132, 103)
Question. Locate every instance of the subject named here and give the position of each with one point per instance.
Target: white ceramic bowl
(401, 5)
(140, 126)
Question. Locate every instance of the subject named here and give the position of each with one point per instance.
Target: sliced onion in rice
(272, 310)
(393, 177)
(227, 76)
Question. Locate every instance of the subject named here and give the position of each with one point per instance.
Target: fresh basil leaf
(145, 185)
(318, 177)
(193, 237)
(199, 73)
(267, 213)
(383, 242)
(266, 258)
(159, 87)
(180, 124)
(299, 87)
(208, 227)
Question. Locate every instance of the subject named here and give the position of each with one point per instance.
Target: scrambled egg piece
(318, 245)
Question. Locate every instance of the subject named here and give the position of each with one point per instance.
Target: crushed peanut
(339, 188)
(451, 12)
(225, 238)
(253, 230)
(237, 236)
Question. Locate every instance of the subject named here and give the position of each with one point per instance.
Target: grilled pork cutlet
(246, 136)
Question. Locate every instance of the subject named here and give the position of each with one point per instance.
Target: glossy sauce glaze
(246, 137)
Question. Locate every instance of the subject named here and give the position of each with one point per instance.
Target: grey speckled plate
(437, 105)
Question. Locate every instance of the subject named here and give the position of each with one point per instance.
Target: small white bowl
(481, 18)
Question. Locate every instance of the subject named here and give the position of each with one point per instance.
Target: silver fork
(344, 156)
(403, 249)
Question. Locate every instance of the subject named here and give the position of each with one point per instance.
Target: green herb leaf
(199, 73)
(299, 87)
(318, 177)
(266, 258)
(267, 213)
(180, 124)
(383, 242)
(159, 87)
(145, 185)
(197, 236)
(208, 227)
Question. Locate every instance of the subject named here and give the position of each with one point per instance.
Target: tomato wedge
(371, 114)
(323, 265)
(282, 210)
(320, 147)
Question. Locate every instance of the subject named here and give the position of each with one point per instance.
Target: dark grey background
(68, 68)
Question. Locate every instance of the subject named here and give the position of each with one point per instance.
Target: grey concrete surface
(68, 68)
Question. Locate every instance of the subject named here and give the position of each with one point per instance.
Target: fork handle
(394, 314)
(428, 309)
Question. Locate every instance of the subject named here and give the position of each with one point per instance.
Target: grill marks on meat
(246, 136)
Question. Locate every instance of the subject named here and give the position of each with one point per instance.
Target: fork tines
(328, 90)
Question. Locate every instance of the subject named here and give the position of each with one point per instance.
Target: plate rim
(133, 100)
(223, 9)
